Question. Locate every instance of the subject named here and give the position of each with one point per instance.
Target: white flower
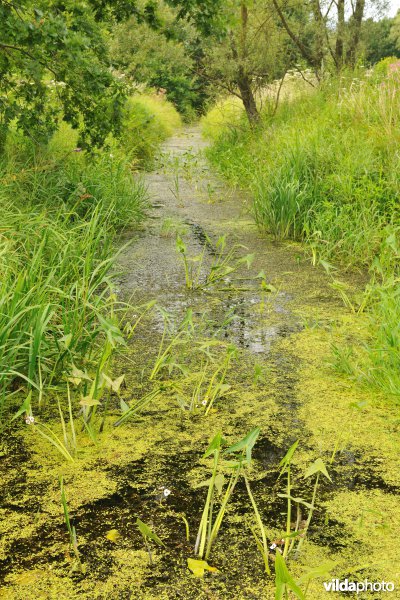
(29, 420)
(111, 155)
(204, 403)
(166, 492)
(272, 546)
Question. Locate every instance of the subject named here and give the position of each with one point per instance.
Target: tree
(337, 27)
(54, 64)
(395, 31)
(241, 53)
(377, 42)
(161, 54)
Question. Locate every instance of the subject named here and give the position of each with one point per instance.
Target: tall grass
(223, 114)
(149, 120)
(60, 216)
(326, 169)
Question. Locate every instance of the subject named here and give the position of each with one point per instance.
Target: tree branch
(304, 78)
(26, 53)
(278, 94)
(217, 82)
(304, 51)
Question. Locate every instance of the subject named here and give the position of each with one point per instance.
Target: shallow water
(287, 335)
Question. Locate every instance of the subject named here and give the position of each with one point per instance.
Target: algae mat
(281, 316)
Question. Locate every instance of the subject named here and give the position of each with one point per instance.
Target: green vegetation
(71, 531)
(60, 217)
(127, 347)
(54, 64)
(325, 170)
(148, 121)
(160, 53)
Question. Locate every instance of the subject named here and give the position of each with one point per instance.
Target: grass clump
(60, 217)
(325, 170)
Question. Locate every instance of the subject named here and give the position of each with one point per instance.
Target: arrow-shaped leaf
(198, 567)
(317, 466)
(148, 533)
(285, 462)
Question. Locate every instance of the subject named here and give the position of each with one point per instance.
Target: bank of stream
(279, 316)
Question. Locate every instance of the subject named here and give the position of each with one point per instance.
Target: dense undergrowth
(62, 209)
(149, 120)
(326, 169)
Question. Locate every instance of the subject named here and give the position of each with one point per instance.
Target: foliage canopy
(54, 63)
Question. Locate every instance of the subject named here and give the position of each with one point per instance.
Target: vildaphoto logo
(337, 585)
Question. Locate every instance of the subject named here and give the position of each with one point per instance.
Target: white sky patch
(394, 6)
(375, 11)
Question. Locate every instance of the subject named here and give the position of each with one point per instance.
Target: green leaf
(198, 567)
(66, 340)
(285, 462)
(89, 401)
(124, 406)
(248, 259)
(246, 443)
(180, 245)
(234, 464)
(77, 373)
(219, 482)
(291, 536)
(24, 407)
(205, 483)
(215, 445)
(221, 242)
(320, 571)
(317, 466)
(113, 384)
(148, 533)
(298, 500)
(279, 590)
(268, 287)
(283, 579)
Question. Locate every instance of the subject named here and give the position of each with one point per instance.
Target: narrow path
(188, 198)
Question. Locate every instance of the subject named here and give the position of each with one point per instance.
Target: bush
(325, 163)
(162, 57)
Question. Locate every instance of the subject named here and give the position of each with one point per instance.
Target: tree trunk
(340, 35)
(355, 30)
(248, 99)
(319, 35)
(306, 53)
(243, 80)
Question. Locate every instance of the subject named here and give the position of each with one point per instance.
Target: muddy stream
(281, 316)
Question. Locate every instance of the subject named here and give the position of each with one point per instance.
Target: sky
(376, 14)
(394, 7)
